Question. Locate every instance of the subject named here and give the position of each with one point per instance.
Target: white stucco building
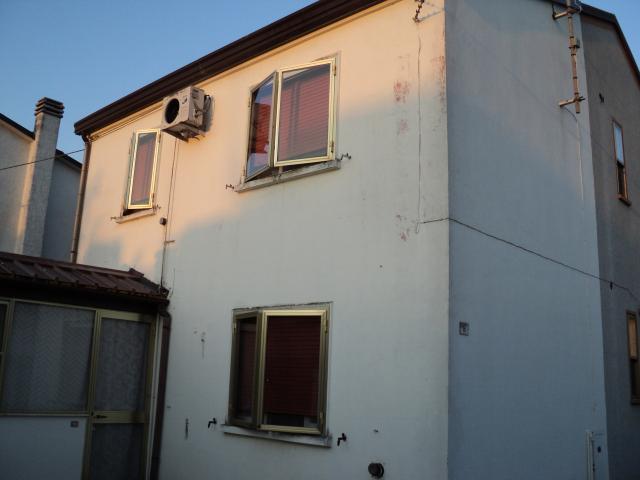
(381, 249)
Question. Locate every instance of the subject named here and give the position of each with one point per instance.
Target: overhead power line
(612, 283)
(41, 160)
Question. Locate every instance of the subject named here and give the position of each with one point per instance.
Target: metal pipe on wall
(80, 204)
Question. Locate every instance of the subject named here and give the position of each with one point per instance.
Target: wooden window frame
(276, 77)
(130, 207)
(634, 356)
(262, 318)
(621, 167)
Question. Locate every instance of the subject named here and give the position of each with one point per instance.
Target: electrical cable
(41, 160)
(611, 283)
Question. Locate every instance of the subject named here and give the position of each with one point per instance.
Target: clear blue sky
(88, 54)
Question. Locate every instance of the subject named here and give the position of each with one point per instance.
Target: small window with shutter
(621, 168)
(292, 118)
(278, 378)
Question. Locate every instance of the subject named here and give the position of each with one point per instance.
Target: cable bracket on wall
(572, 7)
(416, 17)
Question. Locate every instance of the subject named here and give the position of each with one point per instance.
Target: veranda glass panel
(245, 351)
(3, 314)
(303, 130)
(47, 359)
(122, 365)
(292, 371)
(142, 178)
(116, 451)
(260, 129)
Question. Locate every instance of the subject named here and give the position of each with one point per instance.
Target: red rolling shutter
(304, 113)
(292, 366)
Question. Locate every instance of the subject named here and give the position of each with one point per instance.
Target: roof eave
(16, 126)
(303, 22)
(288, 29)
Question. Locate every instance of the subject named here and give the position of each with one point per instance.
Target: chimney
(39, 174)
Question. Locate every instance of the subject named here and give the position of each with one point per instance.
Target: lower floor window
(278, 377)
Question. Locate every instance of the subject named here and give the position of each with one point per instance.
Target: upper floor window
(618, 140)
(142, 170)
(292, 118)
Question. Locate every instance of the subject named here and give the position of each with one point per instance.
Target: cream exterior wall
(528, 382)
(353, 237)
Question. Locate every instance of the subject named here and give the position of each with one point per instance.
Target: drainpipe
(165, 318)
(80, 205)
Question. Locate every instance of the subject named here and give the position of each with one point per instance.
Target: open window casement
(292, 118)
(142, 169)
(261, 128)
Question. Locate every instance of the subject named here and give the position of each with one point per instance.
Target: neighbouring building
(614, 97)
(38, 186)
(387, 253)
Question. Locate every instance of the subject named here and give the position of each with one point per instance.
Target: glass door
(119, 399)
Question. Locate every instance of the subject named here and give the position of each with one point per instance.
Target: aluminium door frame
(119, 417)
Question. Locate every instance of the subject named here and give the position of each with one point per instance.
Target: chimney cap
(49, 106)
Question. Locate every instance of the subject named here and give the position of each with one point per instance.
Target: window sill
(288, 176)
(134, 216)
(312, 440)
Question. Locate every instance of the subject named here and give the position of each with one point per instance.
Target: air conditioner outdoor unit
(184, 113)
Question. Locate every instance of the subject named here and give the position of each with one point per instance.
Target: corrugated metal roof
(44, 272)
